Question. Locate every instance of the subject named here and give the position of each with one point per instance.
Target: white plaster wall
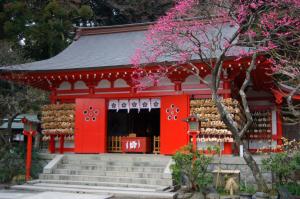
(164, 81)
(208, 78)
(192, 79)
(104, 83)
(120, 83)
(64, 86)
(80, 85)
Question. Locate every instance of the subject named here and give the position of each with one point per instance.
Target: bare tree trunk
(232, 125)
(261, 184)
(289, 100)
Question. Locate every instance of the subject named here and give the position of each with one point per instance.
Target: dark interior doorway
(143, 123)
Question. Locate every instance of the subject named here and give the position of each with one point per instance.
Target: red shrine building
(93, 77)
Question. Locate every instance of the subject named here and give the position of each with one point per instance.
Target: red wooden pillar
(28, 155)
(53, 99)
(178, 86)
(279, 124)
(51, 147)
(278, 101)
(133, 90)
(227, 87)
(61, 144)
(91, 86)
(53, 96)
(30, 133)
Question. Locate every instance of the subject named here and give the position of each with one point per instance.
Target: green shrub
(247, 188)
(282, 165)
(296, 158)
(293, 188)
(192, 166)
(221, 191)
(12, 163)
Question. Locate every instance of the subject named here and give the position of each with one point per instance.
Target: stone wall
(238, 163)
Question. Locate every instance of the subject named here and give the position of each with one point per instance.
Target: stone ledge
(236, 160)
(48, 169)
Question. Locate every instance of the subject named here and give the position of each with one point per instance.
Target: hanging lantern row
(137, 104)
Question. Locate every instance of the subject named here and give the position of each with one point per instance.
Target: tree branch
(290, 101)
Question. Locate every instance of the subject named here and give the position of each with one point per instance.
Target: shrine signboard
(136, 145)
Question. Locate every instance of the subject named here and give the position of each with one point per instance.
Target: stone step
(98, 187)
(120, 157)
(151, 181)
(110, 168)
(105, 184)
(116, 163)
(112, 173)
(118, 192)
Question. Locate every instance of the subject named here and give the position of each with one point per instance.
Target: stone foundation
(238, 163)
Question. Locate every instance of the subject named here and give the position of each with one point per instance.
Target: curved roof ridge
(98, 30)
(133, 27)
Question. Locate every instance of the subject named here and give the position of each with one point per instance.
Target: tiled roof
(105, 50)
(100, 47)
(17, 124)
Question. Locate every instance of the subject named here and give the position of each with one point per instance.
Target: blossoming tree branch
(196, 36)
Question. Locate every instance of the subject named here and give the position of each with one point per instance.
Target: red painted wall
(173, 131)
(90, 126)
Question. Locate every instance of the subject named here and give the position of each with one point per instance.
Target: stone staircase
(140, 175)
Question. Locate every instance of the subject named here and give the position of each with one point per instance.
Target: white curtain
(145, 104)
(124, 104)
(155, 103)
(113, 105)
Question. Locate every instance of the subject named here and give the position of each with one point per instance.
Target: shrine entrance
(133, 130)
